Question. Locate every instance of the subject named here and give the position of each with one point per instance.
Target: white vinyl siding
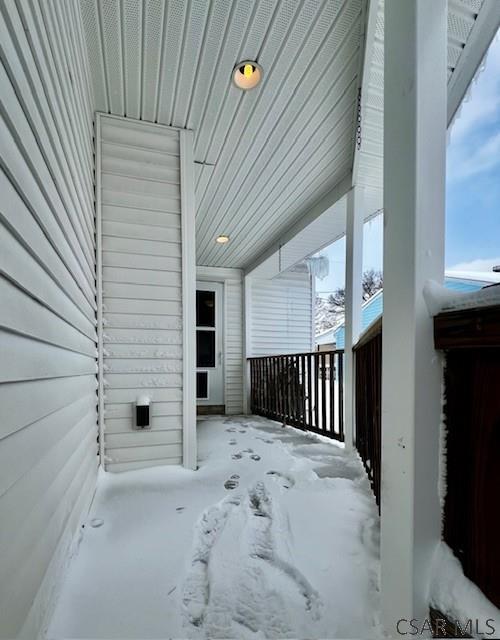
(281, 315)
(48, 430)
(233, 332)
(142, 291)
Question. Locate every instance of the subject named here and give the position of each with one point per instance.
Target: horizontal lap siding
(142, 291)
(281, 315)
(48, 432)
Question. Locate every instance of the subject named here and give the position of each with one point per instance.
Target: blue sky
(473, 174)
(472, 189)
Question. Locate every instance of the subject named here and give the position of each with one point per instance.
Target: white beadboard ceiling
(264, 157)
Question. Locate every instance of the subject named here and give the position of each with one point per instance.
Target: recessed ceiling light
(222, 239)
(247, 74)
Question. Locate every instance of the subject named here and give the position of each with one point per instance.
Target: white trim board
(234, 335)
(100, 346)
(188, 222)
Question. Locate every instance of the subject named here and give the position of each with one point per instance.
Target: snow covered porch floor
(275, 536)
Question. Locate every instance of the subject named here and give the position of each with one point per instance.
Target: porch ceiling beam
(370, 28)
(485, 27)
(324, 203)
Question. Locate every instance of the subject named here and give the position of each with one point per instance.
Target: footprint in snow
(255, 457)
(196, 591)
(262, 547)
(285, 481)
(237, 456)
(231, 484)
(247, 450)
(180, 509)
(231, 430)
(235, 476)
(233, 441)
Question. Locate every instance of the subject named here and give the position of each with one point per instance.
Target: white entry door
(209, 343)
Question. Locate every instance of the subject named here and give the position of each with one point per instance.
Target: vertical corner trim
(98, 227)
(188, 299)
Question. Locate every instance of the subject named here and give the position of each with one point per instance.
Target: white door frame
(219, 289)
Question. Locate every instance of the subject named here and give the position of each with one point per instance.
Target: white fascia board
(324, 203)
(369, 39)
(485, 27)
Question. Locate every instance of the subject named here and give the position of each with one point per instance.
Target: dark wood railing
(471, 341)
(368, 400)
(304, 390)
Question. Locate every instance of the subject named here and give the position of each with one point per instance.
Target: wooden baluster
(252, 386)
(273, 385)
(257, 385)
(266, 387)
(341, 395)
(331, 370)
(303, 392)
(280, 388)
(261, 385)
(310, 390)
(316, 390)
(323, 394)
(295, 390)
(279, 412)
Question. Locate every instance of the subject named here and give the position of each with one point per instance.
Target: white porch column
(247, 343)
(414, 206)
(353, 301)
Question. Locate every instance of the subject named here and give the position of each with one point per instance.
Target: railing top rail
(303, 353)
(374, 330)
(468, 328)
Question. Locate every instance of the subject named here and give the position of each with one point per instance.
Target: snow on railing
(438, 298)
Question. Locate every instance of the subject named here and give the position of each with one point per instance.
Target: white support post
(247, 344)
(353, 301)
(414, 206)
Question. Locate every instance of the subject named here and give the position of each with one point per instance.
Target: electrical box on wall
(142, 417)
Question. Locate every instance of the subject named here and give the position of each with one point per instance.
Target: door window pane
(202, 385)
(205, 348)
(205, 308)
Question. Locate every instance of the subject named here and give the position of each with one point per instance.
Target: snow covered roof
(327, 337)
(459, 281)
(485, 277)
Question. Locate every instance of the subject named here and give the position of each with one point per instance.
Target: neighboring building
(461, 281)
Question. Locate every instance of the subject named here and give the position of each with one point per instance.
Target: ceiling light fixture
(222, 239)
(247, 74)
